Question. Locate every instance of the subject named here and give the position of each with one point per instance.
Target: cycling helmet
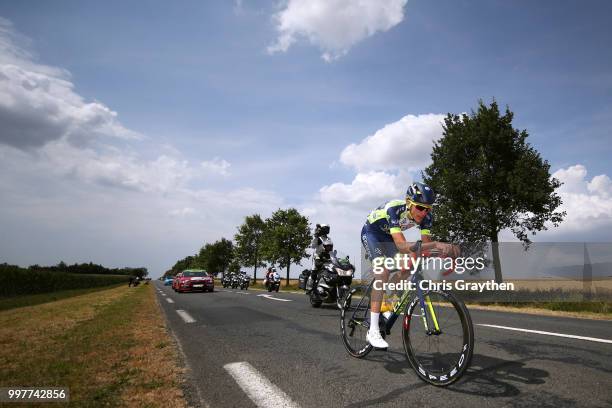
(419, 193)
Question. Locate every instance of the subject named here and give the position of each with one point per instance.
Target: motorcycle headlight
(342, 272)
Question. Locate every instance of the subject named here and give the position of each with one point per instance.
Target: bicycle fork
(428, 314)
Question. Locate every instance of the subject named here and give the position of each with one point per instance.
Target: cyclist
(382, 236)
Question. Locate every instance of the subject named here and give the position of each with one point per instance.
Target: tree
(216, 257)
(140, 272)
(234, 266)
(489, 179)
(285, 238)
(248, 242)
(183, 264)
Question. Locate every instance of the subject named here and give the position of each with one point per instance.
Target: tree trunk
(256, 262)
(496, 260)
(288, 265)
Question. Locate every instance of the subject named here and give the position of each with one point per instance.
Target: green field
(15, 281)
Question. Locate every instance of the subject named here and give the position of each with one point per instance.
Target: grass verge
(110, 347)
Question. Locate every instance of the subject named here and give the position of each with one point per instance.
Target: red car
(192, 280)
(175, 280)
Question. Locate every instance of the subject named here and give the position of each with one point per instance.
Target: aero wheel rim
(438, 356)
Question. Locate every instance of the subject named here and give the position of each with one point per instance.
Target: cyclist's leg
(402, 274)
(377, 294)
(377, 246)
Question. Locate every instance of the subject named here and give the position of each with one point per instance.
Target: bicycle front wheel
(438, 341)
(355, 322)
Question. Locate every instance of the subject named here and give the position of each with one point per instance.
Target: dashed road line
(569, 336)
(169, 300)
(259, 389)
(274, 298)
(185, 316)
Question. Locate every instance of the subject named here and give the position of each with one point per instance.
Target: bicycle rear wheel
(355, 322)
(439, 356)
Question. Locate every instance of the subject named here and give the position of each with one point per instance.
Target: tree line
(280, 240)
(83, 268)
(488, 179)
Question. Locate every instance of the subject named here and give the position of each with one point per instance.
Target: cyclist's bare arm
(404, 246)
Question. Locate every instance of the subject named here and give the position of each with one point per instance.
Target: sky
(131, 133)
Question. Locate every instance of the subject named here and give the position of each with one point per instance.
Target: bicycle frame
(427, 311)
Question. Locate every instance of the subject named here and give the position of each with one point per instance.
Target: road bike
(437, 329)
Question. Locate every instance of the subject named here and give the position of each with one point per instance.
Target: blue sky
(196, 82)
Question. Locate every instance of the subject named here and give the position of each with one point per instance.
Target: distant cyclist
(382, 236)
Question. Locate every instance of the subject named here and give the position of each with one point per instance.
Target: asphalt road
(245, 350)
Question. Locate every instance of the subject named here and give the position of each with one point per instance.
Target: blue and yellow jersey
(392, 217)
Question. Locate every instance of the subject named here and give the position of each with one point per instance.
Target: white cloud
(365, 189)
(402, 145)
(116, 168)
(601, 185)
(216, 166)
(38, 103)
(334, 25)
(588, 203)
(182, 212)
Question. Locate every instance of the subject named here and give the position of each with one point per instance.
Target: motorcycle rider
(269, 273)
(382, 236)
(323, 246)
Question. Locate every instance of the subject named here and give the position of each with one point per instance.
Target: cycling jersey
(392, 217)
(388, 219)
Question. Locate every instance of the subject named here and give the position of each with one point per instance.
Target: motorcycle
(235, 281)
(245, 280)
(226, 281)
(273, 282)
(333, 282)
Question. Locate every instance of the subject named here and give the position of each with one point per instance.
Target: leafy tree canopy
(489, 179)
(286, 237)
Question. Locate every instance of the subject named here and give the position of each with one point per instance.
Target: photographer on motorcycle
(323, 246)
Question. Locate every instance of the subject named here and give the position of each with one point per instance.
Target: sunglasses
(421, 208)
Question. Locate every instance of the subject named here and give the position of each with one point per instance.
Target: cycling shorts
(377, 243)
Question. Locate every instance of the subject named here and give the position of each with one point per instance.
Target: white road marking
(185, 316)
(570, 336)
(273, 298)
(163, 294)
(259, 389)
(169, 300)
(243, 293)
